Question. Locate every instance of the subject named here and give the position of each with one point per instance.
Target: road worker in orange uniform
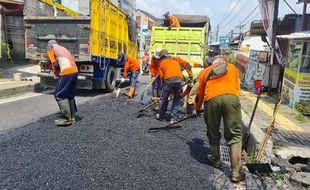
(173, 20)
(221, 100)
(130, 64)
(171, 74)
(66, 72)
(145, 64)
(154, 70)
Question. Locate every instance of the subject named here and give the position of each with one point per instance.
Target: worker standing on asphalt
(221, 100)
(130, 64)
(154, 70)
(170, 72)
(145, 63)
(64, 67)
(173, 20)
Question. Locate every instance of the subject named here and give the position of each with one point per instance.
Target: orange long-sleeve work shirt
(131, 65)
(174, 21)
(227, 84)
(171, 68)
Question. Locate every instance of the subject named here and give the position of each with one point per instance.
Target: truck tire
(110, 79)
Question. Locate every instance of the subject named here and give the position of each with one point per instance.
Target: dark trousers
(66, 87)
(157, 84)
(176, 89)
(134, 78)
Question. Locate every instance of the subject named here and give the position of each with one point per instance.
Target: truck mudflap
(47, 80)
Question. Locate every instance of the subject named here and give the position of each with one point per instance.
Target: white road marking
(22, 97)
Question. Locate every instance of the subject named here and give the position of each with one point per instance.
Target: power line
(236, 15)
(230, 11)
(226, 11)
(290, 6)
(250, 14)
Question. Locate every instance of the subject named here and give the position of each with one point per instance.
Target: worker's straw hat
(156, 53)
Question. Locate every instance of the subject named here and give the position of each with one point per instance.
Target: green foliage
(300, 118)
(6, 49)
(251, 159)
(233, 58)
(303, 107)
(278, 176)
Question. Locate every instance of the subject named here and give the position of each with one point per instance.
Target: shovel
(146, 107)
(246, 138)
(147, 87)
(171, 125)
(117, 90)
(258, 167)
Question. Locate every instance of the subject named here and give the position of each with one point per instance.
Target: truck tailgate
(70, 32)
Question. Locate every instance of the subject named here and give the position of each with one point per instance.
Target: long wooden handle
(268, 132)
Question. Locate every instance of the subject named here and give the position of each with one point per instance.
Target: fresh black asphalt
(108, 148)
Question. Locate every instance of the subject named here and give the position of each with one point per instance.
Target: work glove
(122, 80)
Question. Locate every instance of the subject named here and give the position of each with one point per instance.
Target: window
(294, 55)
(305, 58)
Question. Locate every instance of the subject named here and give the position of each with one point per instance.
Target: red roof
(13, 5)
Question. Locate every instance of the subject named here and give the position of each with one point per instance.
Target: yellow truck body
(94, 41)
(109, 30)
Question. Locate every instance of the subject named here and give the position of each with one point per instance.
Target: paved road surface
(108, 148)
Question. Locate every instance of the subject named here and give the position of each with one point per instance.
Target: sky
(226, 13)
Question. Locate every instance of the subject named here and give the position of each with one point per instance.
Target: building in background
(145, 22)
(129, 7)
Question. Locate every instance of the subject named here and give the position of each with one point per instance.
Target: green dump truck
(190, 41)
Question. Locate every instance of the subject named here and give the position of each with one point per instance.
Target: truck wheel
(111, 79)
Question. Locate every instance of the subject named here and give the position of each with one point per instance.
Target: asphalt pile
(108, 148)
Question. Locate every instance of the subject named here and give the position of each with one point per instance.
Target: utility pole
(303, 18)
(240, 26)
(273, 43)
(217, 33)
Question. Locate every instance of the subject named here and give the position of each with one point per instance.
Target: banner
(267, 8)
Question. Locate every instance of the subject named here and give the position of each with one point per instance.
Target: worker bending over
(130, 64)
(220, 94)
(66, 72)
(191, 89)
(170, 72)
(173, 20)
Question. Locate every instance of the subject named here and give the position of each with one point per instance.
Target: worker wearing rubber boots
(157, 84)
(173, 20)
(130, 64)
(191, 90)
(221, 100)
(170, 72)
(66, 72)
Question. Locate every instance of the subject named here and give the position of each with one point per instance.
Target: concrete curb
(7, 92)
(256, 137)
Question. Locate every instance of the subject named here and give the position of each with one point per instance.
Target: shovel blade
(259, 168)
(117, 92)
